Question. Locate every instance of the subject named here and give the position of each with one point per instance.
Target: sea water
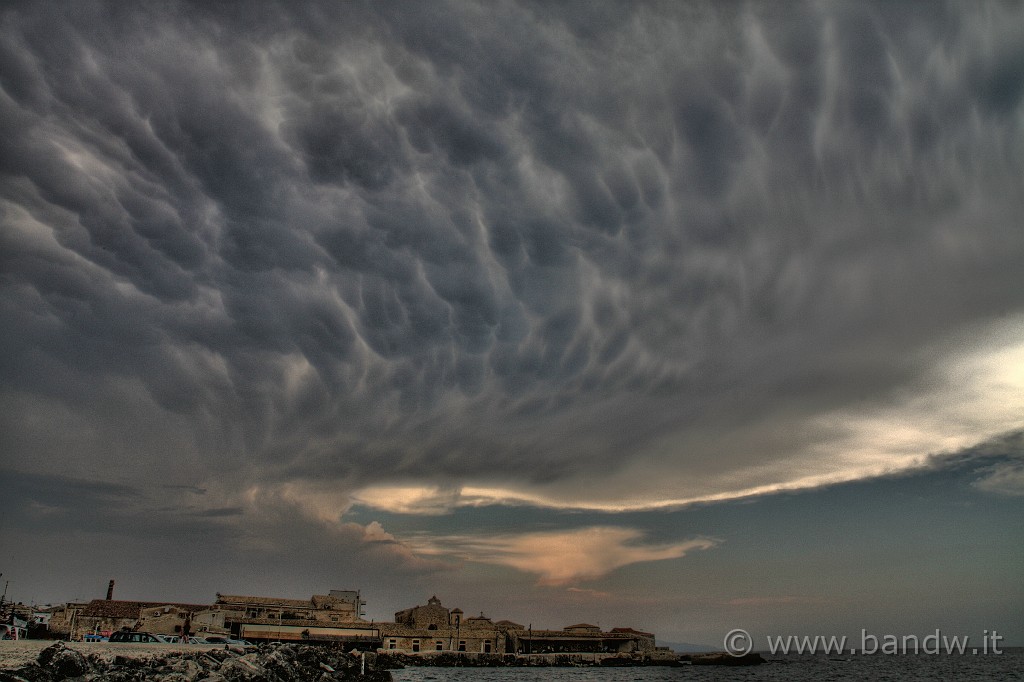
(1006, 666)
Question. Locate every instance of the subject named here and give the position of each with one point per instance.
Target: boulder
(62, 662)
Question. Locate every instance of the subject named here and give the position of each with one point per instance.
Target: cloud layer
(422, 256)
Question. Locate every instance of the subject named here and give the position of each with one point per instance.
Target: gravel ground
(17, 653)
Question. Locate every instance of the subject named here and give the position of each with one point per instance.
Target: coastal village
(337, 617)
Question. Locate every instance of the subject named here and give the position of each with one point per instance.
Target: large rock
(62, 662)
(240, 670)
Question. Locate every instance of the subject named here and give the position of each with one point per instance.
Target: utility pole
(3, 598)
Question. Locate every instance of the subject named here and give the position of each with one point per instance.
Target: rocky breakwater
(268, 663)
(723, 659)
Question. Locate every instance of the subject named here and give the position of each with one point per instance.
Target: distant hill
(687, 648)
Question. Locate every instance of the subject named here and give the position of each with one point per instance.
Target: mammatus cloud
(973, 388)
(561, 557)
(603, 257)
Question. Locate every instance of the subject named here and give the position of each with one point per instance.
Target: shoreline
(55, 661)
(159, 660)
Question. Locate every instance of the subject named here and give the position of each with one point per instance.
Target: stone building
(433, 628)
(431, 616)
(104, 616)
(581, 638)
(335, 617)
(339, 606)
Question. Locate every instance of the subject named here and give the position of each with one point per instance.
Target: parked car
(220, 639)
(197, 640)
(134, 637)
(167, 639)
(216, 639)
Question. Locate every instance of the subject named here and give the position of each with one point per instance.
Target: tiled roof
(116, 608)
(264, 601)
(568, 635)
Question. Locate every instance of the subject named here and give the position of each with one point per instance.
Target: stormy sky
(541, 307)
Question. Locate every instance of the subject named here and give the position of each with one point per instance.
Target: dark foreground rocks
(268, 663)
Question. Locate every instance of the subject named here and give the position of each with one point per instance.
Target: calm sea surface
(1007, 666)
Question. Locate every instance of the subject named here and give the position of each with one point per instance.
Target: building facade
(105, 616)
(336, 617)
(582, 638)
(433, 628)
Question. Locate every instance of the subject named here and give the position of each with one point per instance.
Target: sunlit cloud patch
(561, 557)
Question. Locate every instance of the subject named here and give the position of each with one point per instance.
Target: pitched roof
(116, 608)
(263, 601)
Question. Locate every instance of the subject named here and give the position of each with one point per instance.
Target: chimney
(110, 590)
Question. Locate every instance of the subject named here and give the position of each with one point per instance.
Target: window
(438, 646)
(392, 643)
(487, 646)
(415, 646)
(462, 645)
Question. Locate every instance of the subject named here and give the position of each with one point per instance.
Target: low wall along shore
(171, 663)
(45, 661)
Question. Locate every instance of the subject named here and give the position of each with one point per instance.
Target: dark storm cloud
(449, 241)
(69, 498)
